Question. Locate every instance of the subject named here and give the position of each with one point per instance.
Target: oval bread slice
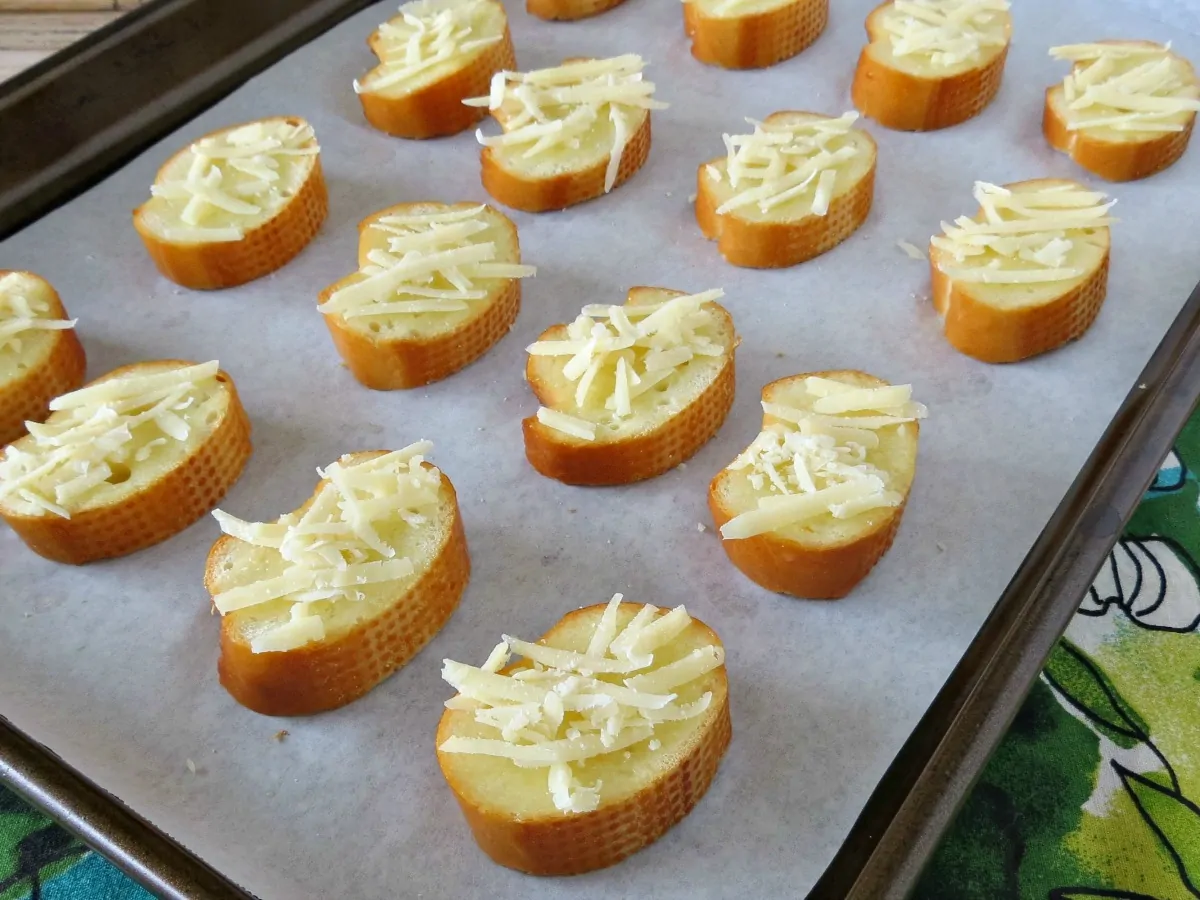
(569, 10)
(642, 794)
(825, 557)
(36, 365)
(752, 34)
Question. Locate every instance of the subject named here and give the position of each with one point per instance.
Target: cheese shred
(23, 310)
(946, 33)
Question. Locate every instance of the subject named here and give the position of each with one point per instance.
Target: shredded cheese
(23, 310)
(98, 433)
(1022, 237)
(563, 708)
(435, 262)
(786, 159)
(817, 461)
(946, 33)
(1127, 86)
(557, 108)
(234, 174)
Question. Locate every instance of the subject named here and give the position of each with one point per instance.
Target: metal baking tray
(87, 112)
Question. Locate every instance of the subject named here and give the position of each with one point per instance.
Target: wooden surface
(33, 29)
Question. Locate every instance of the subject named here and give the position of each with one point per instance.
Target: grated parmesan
(23, 310)
(946, 33)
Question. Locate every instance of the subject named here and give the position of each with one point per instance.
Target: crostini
(1027, 274)
(568, 10)
(571, 133)
(437, 285)
(323, 604)
(930, 64)
(236, 205)
(603, 737)
(629, 392)
(815, 501)
(432, 57)
(752, 34)
(126, 461)
(40, 354)
(1125, 111)
(798, 186)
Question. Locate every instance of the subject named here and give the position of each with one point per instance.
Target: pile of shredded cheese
(1025, 237)
(334, 548)
(556, 108)
(1127, 87)
(426, 34)
(23, 311)
(784, 160)
(433, 264)
(817, 461)
(567, 707)
(236, 173)
(945, 33)
(99, 433)
(637, 347)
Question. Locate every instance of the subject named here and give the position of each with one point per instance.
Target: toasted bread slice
(651, 778)
(432, 57)
(1127, 143)
(287, 656)
(126, 461)
(800, 213)
(671, 413)
(602, 141)
(1000, 322)
(568, 10)
(752, 34)
(421, 327)
(822, 551)
(40, 354)
(910, 82)
(270, 199)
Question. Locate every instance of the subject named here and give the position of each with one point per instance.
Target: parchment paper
(113, 665)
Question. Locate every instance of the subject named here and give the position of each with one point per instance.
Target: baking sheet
(113, 665)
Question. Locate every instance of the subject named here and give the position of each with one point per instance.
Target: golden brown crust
(756, 40)
(907, 102)
(769, 245)
(566, 189)
(163, 509)
(326, 675)
(568, 10)
(262, 250)
(437, 109)
(27, 398)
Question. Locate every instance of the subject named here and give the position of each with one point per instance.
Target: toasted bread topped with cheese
(571, 133)
(40, 354)
(437, 286)
(236, 205)
(1027, 274)
(568, 10)
(432, 57)
(126, 461)
(606, 735)
(815, 501)
(326, 602)
(629, 392)
(930, 64)
(1126, 109)
(798, 186)
(752, 34)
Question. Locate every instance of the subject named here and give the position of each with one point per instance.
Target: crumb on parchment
(280, 735)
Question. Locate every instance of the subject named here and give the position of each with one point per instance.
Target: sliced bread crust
(755, 39)
(569, 10)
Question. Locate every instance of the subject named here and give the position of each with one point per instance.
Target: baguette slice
(143, 501)
(999, 323)
(426, 100)
(568, 10)
(1117, 155)
(912, 92)
(671, 422)
(223, 248)
(752, 34)
(822, 558)
(791, 232)
(363, 641)
(643, 792)
(407, 350)
(39, 362)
